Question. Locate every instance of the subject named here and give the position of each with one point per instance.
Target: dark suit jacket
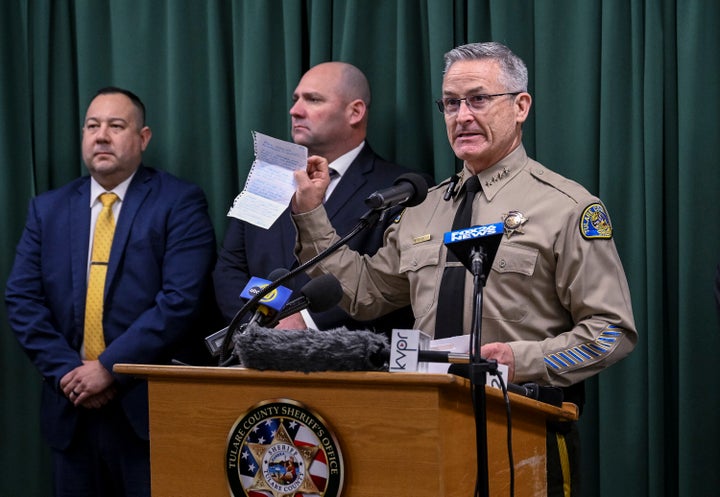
(160, 263)
(249, 251)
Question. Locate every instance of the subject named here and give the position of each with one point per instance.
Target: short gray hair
(513, 72)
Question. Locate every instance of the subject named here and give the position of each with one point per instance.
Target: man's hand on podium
(502, 353)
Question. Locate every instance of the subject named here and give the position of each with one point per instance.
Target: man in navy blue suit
(157, 273)
(329, 117)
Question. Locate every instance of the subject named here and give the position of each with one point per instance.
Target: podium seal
(280, 448)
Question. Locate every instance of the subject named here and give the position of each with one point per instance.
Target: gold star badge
(283, 452)
(513, 222)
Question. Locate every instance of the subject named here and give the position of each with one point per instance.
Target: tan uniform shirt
(557, 292)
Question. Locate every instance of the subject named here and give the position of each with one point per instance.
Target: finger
(317, 165)
(301, 178)
(76, 398)
(67, 381)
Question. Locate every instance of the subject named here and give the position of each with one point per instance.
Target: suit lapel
(351, 182)
(138, 190)
(79, 230)
(286, 232)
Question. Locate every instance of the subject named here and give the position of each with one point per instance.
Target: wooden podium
(399, 434)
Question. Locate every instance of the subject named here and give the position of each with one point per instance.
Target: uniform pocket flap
(419, 256)
(515, 259)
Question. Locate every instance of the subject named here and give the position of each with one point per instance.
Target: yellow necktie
(102, 240)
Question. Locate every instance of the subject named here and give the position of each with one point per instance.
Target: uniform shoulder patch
(595, 223)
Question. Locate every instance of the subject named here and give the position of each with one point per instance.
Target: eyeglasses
(476, 103)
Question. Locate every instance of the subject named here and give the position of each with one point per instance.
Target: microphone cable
(508, 414)
(480, 483)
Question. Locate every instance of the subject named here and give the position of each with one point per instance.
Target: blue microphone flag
(275, 300)
(464, 241)
(472, 233)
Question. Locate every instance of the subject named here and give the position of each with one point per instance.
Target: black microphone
(409, 189)
(466, 242)
(450, 192)
(278, 273)
(319, 294)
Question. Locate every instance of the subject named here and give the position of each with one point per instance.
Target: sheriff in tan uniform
(556, 307)
(556, 293)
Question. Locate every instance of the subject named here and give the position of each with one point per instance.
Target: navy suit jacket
(159, 271)
(249, 251)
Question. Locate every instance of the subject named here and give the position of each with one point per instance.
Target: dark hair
(110, 90)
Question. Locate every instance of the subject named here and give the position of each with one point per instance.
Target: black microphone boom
(409, 189)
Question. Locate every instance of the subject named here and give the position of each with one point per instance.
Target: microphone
(450, 192)
(339, 349)
(409, 189)
(310, 350)
(215, 342)
(466, 243)
(278, 273)
(270, 304)
(319, 294)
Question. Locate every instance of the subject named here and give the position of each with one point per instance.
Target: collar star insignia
(513, 222)
(497, 177)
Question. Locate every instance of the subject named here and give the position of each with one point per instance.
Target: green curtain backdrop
(626, 102)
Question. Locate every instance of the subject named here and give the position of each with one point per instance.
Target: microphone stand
(478, 369)
(370, 218)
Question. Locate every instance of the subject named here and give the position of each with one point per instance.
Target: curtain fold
(624, 102)
(698, 147)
